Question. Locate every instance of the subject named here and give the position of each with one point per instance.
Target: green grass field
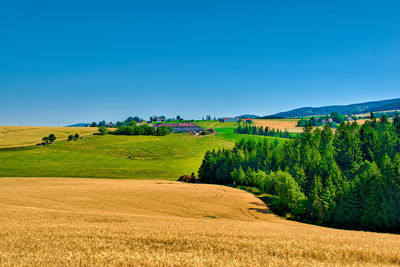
(110, 156)
(232, 137)
(217, 125)
(149, 157)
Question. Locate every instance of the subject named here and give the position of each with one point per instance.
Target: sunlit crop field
(280, 124)
(13, 136)
(58, 221)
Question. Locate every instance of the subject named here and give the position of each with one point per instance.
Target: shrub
(238, 176)
(103, 130)
(188, 179)
(291, 198)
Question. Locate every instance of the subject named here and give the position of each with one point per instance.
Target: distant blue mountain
(375, 106)
(79, 125)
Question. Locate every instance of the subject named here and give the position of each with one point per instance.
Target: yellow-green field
(59, 221)
(113, 156)
(13, 136)
(110, 156)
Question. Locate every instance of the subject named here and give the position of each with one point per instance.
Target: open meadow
(61, 221)
(113, 156)
(137, 157)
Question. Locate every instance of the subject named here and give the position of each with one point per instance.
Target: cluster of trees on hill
(254, 130)
(134, 120)
(48, 139)
(348, 179)
(100, 124)
(333, 120)
(126, 122)
(143, 129)
(51, 138)
(73, 137)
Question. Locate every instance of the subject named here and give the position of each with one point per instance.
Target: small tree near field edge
(52, 138)
(103, 130)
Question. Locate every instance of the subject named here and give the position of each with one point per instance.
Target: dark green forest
(348, 178)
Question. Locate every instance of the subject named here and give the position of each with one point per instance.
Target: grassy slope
(236, 137)
(219, 127)
(64, 222)
(12, 136)
(149, 157)
(138, 157)
(216, 124)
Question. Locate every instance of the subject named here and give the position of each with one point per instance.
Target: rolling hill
(96, 156)
(366, 107)
(138, 157)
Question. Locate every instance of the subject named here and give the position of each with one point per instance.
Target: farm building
(228, 119)
(181, 127)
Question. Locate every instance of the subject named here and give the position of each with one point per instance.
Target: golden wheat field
(14, 136)
(280, 124)
(68, 221)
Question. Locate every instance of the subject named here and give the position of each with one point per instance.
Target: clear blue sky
(83, 61)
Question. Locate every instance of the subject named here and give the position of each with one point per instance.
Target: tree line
(133, 129)
(349, 178)
(126, 122)
(254, 130)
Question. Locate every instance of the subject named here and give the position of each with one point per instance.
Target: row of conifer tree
(254, 130)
